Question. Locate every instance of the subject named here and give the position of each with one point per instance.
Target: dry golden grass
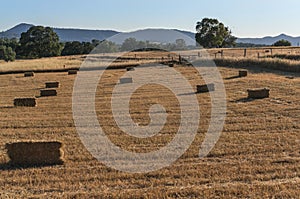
(42, 64)
(257, 156)
(253, 52)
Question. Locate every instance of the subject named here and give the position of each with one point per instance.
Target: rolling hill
(270, 40)
(65, 34)
(70, 34)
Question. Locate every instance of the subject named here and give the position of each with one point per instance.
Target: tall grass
(269, 63)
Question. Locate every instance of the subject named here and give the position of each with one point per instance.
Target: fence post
(180, 60)
(245, 52)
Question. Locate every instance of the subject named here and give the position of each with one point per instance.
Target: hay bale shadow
(7, 107)
(233, 77)
(186, 94)
(244, 100)
(9, 166)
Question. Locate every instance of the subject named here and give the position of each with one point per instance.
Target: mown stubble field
(257, 155)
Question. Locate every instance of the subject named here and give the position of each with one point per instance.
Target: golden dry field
(257, 155)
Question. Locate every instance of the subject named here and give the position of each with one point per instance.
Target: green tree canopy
(13, 43)
(7, 54)
(38, 42)
(72, 48)
(282, 42)
(213, 34)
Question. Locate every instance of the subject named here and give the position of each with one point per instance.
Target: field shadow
(7, 107)
(8, 166)
(185, 94)
(20, 76)
(233, 77)
(243, 100)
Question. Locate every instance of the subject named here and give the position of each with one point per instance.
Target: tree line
(41, 41)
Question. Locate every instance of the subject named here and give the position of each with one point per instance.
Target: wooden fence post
(245, 52)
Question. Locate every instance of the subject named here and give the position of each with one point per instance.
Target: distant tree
(72, 48)
(105, 46)
(7, 54)
(282, 42)
(213, 34)
(13, 43)
(95, 42)
(129, 44)
(153, 45)
(169, 46)
(87, 47)
(38, 42)
(180, 44)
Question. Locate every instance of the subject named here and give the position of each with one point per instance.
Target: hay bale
(130, 69)
(30, 102)
(28, 74)
(126, 80)
(52, 84)
(258, 93)
(243, 73)
(205, 88)
(290, 77)
(35, 153)
(48, 92)
(72, 72)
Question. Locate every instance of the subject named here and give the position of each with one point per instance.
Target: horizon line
(144, 28)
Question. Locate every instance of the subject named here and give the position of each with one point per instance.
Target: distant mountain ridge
(65, 34)
(156, 36)
(270, 40)
(72, 34)
(153, 35)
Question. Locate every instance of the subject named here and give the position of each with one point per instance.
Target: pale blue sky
(246, 18)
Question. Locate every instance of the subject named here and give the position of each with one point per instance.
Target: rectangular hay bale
(259, 93)
(72, 72)
(52, 84)
(29, 74)
(243, 73)
(126, 80)
(48, 92)
(35, 153)
(130, 69)
(30, 102)
(205, 88)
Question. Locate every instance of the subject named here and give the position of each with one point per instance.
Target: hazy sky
(246, 18)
